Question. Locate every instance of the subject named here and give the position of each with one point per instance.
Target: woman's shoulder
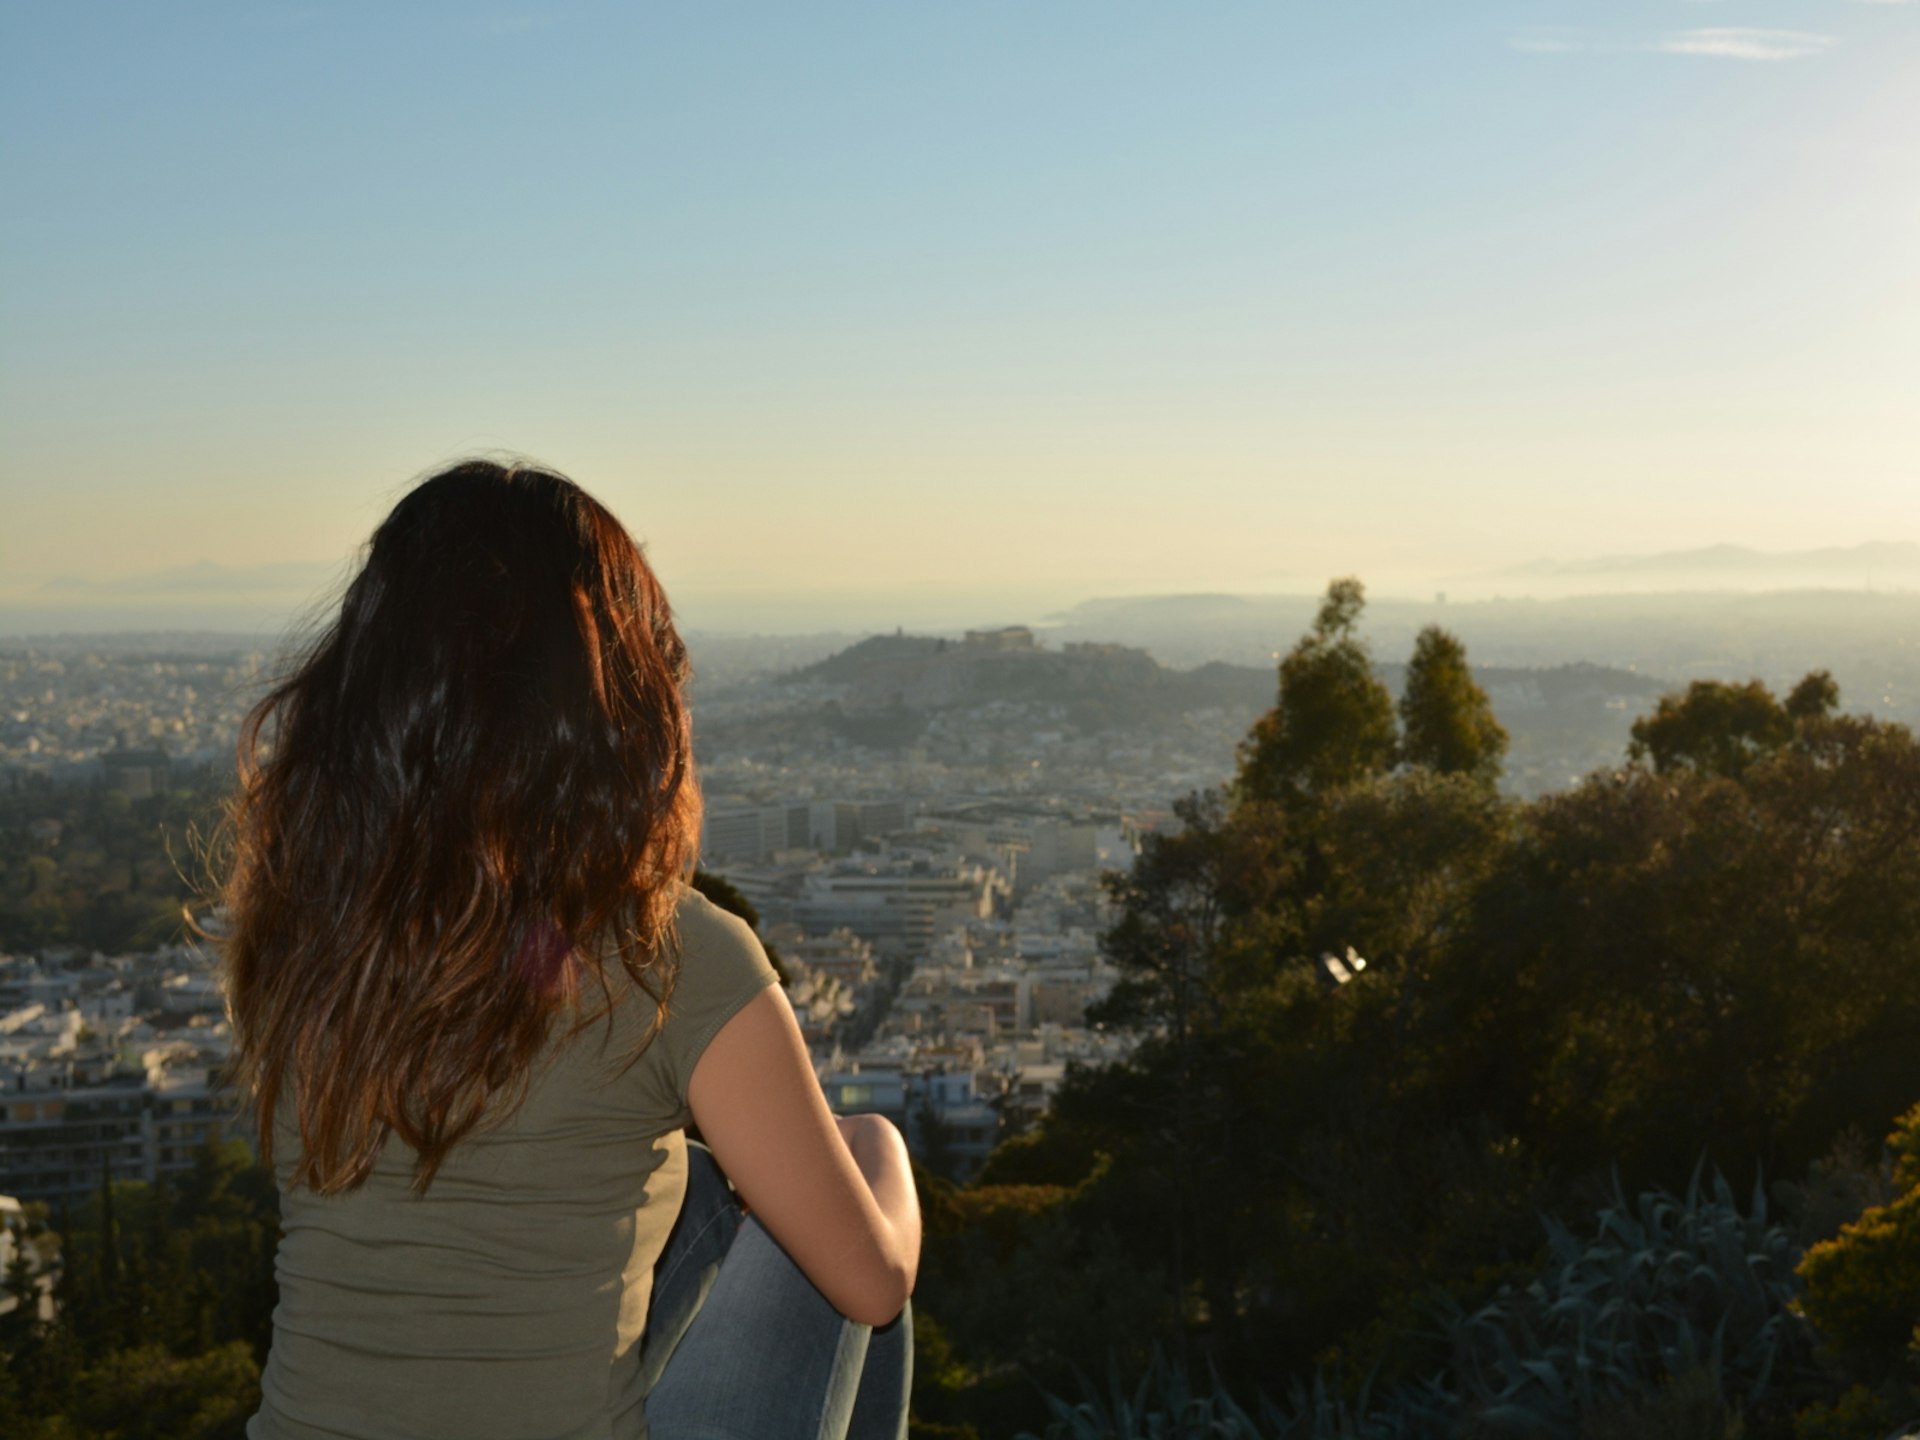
(719, 958)
(704, 929)
(722, 966)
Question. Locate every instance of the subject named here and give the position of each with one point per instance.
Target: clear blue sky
(966, 294)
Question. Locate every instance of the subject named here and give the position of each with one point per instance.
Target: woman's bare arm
(838, 1196)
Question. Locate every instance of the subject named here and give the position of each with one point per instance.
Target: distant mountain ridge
(1107, 685)
(1733, 561)
(202, 576)
(917, 672)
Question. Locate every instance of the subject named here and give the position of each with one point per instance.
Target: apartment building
(59, 1140)
(735, 832)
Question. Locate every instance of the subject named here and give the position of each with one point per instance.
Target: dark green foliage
(152, 1394)
(1674, 1316)
(1720, 949)
(1863, 1285)
(1018, 1280)
(1661, 1290)
(147, 1393)
(936, 1140)
(1333, 723)
(1163, 1405)
(1447, 722)
(1720, 728)
(1173, 908)
(1670, 958)
(940, 1378)
(22, 1286)
(1050, 1154)
(1397, 864)
(164, 1309)
(1815, 697)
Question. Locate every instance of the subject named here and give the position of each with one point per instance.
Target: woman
(476, 1004)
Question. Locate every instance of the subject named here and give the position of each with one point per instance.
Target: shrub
(1863, 1289)
(1863, 1296)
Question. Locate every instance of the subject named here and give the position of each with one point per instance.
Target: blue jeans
(740, 1346)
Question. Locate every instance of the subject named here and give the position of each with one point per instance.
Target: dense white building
(90, 1086)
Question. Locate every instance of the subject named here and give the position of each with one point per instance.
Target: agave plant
(1666, 1289)
(1162, 1406)
(1165, 1405)
(1321, 1411)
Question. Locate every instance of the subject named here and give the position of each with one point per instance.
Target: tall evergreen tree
(1447, 722)
(22, 1286)
(1333, 722)
(109, 1247)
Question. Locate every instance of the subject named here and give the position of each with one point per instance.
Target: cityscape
(966, 854)
(920, 823)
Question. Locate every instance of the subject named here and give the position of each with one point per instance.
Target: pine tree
(1333, 722)
(23, 1287)
(1447, 721)
(109, 1238)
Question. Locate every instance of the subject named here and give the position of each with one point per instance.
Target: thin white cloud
(1734, 42)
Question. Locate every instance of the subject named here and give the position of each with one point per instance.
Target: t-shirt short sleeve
(722, 967)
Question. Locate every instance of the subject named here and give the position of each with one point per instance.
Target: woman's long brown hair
(473, 792)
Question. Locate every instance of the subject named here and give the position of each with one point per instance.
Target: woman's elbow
(881, 1302)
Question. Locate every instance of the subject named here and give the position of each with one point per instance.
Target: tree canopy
(1712, 954)
(1719, 728)
(1333, 723)
(1447, 722)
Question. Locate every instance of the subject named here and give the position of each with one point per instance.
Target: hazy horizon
(209, 596)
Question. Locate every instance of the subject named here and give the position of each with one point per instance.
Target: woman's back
(508, 1299)
(465, 822)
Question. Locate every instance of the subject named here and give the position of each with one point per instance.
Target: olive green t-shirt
(509, 1300)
